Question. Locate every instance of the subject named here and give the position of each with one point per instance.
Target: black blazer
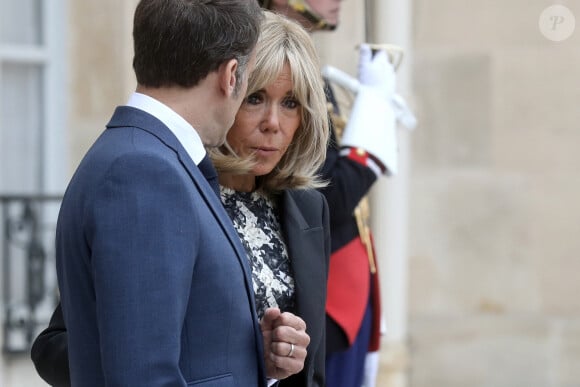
(305, 222)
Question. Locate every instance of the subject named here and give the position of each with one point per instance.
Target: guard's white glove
(371, 125)
(376, 71)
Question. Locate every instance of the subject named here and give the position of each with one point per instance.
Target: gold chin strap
(302, 7)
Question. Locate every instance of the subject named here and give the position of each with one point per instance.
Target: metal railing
(29, 290)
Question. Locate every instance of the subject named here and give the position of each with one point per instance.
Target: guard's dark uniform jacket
(350, 281)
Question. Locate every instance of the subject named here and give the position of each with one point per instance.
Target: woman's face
(266, 123)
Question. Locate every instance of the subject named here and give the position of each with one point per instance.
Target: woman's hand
(285, 343)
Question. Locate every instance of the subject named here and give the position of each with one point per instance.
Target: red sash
(348, 287)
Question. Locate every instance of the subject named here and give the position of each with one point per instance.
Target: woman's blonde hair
(283, 41)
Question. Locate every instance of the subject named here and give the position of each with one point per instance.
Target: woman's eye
(253, 99)
(291, 103)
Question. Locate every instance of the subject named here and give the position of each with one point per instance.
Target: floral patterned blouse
(257, 221)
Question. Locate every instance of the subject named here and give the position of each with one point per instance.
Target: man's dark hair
(179, 42)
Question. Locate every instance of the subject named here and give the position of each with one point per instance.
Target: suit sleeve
(49, 352)
(349, 181)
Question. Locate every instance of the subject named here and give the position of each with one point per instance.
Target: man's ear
(227, 76)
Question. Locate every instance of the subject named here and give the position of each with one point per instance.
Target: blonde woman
(268, 176)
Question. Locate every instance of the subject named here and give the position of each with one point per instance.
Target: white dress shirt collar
(185, 133)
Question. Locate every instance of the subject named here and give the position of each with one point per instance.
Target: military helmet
(303, 8)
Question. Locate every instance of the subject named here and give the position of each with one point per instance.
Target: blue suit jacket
(304, 216)
(155, 285)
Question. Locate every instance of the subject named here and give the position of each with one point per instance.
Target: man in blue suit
(155, 286)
